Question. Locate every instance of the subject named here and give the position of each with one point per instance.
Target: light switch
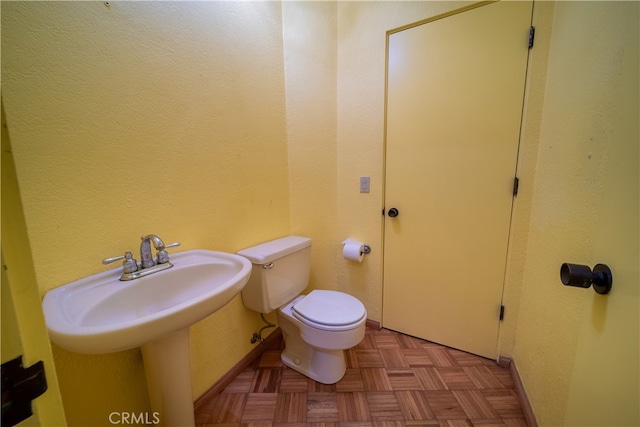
(364, 184)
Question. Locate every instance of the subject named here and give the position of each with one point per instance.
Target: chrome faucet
(148, 264)
(146, 258)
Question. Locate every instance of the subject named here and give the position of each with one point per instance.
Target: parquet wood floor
(391, 380)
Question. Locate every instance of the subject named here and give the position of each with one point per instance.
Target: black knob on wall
(582, 276)
(393, 212)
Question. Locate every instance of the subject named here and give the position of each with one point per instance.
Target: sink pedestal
(168, 368)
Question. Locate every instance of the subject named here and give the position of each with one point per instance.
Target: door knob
(581, 276)
(393, 212)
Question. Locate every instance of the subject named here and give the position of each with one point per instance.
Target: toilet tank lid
(270, 251)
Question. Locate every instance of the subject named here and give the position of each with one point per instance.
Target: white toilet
(317, 327)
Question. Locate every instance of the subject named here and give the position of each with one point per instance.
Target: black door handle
(581, 276)
(393, 212)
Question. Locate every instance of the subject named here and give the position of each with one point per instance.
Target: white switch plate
(364, 184)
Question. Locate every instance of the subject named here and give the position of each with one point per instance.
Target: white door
(454, 101)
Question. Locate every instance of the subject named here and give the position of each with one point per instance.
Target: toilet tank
(280, 272)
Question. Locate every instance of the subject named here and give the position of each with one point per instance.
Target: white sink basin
(101, 314)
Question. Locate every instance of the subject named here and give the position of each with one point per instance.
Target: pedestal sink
(101, 314)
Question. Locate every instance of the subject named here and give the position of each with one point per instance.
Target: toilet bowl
(315, 347)
(316, 327)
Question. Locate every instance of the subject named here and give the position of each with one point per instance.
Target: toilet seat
(329, 310)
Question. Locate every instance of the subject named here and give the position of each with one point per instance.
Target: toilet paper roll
(353, 251)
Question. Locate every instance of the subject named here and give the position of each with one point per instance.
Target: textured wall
(605, 382)
(582, 96)
(309, 40)
(139, 118)
(24, 332)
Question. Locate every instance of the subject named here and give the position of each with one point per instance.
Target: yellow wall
(605, 381)
(309, 40)
(23, 329)
(585, 96)
(137, 118)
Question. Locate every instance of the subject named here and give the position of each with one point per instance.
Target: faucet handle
(163, 256)
(114, 259)
(128, 266)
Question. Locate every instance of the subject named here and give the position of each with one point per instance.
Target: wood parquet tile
(392, 380)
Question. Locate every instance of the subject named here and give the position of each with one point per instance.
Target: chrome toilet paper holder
(366, 249)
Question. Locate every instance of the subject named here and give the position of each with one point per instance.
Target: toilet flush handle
(268, 266)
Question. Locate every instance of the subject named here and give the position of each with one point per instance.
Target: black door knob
(393, 212)
(581, 276)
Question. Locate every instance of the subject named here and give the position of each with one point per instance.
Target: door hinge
(532, 35)
(516, 184)
(501, 312)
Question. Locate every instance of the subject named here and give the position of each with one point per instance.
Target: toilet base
(323, 366)
(316, 353)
